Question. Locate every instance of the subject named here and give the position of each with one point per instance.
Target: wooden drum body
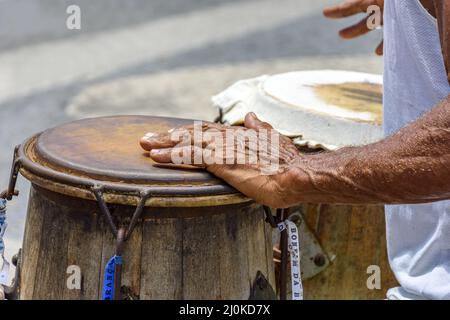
(195, 238)
(353, 239)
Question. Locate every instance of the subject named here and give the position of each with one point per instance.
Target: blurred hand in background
(351, 7)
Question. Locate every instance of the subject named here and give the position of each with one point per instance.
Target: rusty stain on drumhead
(108, 149)
(354, 96)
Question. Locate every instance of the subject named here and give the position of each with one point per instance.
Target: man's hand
(349, 8)
(262, 173)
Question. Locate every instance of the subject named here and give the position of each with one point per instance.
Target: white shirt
(415, 80)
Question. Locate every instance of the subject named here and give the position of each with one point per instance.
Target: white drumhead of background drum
(325, 108)
(303, 90)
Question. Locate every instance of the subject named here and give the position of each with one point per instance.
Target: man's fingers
(169, 139)
(380, 48)
(156, 141)
(161, 155)
(187, 155)
(356, 30)
(252, 122)
(345, 9)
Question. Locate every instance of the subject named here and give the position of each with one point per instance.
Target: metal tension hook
(9, 193)
(121, 235)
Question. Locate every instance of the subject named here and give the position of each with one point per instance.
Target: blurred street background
(155, 57)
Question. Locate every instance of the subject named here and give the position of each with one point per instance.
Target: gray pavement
(150, 57)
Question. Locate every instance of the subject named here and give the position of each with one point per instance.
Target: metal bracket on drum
(9, 193)
(261, 289)
(122, 233)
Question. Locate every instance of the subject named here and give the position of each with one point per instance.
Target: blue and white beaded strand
(4, 271)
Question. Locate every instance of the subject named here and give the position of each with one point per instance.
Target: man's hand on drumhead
(351, 7)
(255, 159)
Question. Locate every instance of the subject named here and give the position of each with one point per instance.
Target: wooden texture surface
(354, 238)
(215, 255)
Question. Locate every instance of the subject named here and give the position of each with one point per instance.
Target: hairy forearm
(412, 166)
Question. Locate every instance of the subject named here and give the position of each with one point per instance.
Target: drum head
(108, 148)
(349, 95)
(106, 152)
(326, 109)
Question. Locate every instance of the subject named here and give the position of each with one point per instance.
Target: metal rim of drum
(121, 193)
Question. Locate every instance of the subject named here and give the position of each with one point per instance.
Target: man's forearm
(412, 166)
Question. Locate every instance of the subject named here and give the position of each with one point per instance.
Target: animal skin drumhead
(329, 109)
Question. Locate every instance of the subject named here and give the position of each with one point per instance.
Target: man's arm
(412, 166)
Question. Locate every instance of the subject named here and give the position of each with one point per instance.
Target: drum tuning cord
(112, 280)
(289, 244)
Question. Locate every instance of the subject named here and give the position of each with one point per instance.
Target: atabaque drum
(344, 252)
(96, 195)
